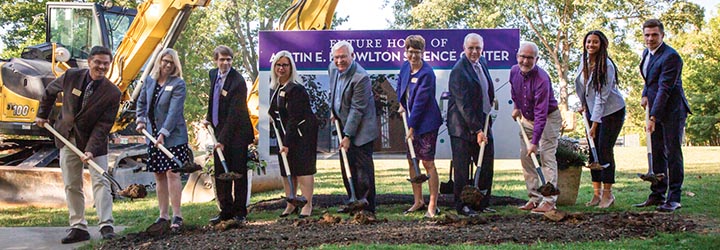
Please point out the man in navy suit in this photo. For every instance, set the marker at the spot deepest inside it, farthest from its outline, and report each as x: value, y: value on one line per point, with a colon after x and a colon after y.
x: 663, y: 94
x: 472, y: 94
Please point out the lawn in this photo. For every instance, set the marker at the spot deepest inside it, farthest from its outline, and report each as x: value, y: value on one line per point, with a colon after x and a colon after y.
x: 702, y: 180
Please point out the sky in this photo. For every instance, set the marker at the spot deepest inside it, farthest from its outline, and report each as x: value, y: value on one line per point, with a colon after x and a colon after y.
x: 360, y: 20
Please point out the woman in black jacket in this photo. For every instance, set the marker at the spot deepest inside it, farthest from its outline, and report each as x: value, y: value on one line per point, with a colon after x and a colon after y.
x: 291, y: 111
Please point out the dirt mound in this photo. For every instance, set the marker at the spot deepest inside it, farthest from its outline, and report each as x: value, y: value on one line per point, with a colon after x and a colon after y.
x: 495, y: 229
x: 324, y: 201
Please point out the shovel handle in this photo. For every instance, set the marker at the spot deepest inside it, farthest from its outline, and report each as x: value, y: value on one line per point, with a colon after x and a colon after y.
x: 481, y: 154
x: 283, y: 155
x: 527, y: 142
x: 648, y: 141
x: 211, y: 131
x: 343, y: 153
x: 590, y: 138
x: 81, y: 154
x: 160, y: 146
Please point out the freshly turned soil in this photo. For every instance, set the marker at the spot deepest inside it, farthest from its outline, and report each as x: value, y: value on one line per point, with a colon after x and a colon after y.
x: 448, y: 228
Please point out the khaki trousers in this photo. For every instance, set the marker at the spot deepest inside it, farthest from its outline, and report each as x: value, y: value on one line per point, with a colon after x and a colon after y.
x: 546, y: 152
x: 72, y: 171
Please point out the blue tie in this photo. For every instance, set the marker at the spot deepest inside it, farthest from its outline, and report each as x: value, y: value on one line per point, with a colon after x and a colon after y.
x: 216, y: 100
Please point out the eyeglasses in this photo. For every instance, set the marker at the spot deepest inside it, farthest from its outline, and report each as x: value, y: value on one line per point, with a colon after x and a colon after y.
x: 282, y: 65
x: 166, y: 61
x: 478, y: 48
x: 526, y: 57
x: 414, y: 52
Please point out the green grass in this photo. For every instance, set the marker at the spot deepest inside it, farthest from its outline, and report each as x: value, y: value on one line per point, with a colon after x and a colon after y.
x: 702, y: 177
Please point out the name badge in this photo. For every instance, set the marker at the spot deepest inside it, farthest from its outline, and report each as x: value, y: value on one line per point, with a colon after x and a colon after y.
x: 282, y: 94
x: 413, y: 80
x: 224, y: 92
x: 168, y: 88
x: 76, y: 92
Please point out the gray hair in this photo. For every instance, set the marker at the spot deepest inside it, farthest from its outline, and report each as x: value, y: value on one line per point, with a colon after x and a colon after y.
x: 341, y: 44
x: 532, y: 45
x: 473, y: 36
x: 274, y: 80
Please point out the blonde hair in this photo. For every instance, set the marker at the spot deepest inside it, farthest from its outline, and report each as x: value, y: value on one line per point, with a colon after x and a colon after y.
x: 155, y: 73
x: 274, y: 80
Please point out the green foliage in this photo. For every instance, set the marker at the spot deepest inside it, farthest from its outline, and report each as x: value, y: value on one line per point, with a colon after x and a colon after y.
x: 570, y: 154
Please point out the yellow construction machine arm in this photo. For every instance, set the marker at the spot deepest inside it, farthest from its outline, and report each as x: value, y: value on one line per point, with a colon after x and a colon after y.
x: 302, y: 15
x: 156, y: 25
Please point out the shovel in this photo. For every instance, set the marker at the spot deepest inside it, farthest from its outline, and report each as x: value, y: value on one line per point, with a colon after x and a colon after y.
x: 596, y: 164
x: 650, y: 176
x: 547, y: 188
x: 227, y: 175
x: 419, y: 177
x: 354, y: 204
x: 295, y: 201
x: 187, y: 167
x: 472, y: 194
x: 139, y: 190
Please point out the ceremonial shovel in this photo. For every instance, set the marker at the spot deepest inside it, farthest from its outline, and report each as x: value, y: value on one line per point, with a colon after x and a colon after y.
x: 187, y: 167
x: 295, y: 201
x: 595, y: 165
x: 419, y: 177
x: 354, y: 203
x: 472, y: 194
x: 650, y: 176
x: 547, y: 188
x: 140, y: 193
x: 227, y: 175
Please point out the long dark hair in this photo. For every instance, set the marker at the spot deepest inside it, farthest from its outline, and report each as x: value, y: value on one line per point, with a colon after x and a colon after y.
x: 600, y: 60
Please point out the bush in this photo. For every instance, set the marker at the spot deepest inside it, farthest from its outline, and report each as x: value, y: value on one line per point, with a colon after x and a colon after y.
x: 570, y: 153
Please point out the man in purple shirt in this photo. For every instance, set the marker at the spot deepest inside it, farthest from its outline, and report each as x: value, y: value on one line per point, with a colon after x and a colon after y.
x: 537, y: 108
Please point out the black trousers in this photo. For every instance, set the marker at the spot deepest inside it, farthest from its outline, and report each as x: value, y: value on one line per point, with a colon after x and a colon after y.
x: 363, y: 173
x: 668, y: 157
x: 463, y: 153
x: 607, y: 134
x: 236, y: 159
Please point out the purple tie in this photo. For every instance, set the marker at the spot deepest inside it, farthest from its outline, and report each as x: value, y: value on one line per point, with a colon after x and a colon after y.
x: 216, y: 100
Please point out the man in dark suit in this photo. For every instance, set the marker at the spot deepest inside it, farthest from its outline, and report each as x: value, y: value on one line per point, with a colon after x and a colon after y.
x: 89, y: 105
x: 472, y: 94
x: 663, y: 94
x: 353, y: 104
x: 228, y: 114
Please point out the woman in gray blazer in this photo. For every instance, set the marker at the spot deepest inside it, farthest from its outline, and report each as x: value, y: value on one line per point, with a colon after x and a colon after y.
x: 160, y: 110
x: 596, y: 86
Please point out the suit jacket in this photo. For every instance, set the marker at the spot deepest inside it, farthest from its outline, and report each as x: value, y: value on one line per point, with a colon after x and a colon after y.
x: 91, y: 124
x: 465, y: 115
x: 603, y: 103
x: 663, y: 84
x: 419, y: 91
x: 292, y: 102
x: 234, y: 127
x: 357, y: 110
x: 169, y: 110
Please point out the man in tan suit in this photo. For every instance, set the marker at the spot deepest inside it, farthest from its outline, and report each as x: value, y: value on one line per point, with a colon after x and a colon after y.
x: 89, y: 105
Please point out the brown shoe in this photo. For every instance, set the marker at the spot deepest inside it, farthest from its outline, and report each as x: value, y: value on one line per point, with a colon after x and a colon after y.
x: 544, y: 207
x: 530, y: 205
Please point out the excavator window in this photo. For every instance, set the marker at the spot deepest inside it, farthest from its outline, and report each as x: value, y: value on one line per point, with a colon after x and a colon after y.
x: 117, y: 25
x: 76, y: 29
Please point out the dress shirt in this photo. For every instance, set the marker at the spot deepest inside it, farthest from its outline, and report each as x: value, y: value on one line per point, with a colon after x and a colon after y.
x: 533, y: 95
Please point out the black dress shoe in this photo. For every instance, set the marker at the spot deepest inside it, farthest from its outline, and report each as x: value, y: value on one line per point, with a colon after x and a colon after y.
x: 649, y: 202
x: 669, y: 207
x: 469, y: 212
x: 343, y: 210
x: 240, y: 219
x: 75, y: 235
x: 488, y: 210
x: 107, y: 232
x: 217, y: 219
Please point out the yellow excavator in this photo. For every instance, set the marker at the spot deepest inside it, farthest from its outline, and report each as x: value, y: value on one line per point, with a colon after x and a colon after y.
x: 134, y: 35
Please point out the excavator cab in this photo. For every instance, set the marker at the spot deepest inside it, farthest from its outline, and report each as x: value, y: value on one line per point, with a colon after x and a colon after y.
x: 75, y: 26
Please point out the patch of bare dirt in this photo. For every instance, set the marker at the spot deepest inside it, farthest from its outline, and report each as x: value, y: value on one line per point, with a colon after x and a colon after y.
x: 330, y: 228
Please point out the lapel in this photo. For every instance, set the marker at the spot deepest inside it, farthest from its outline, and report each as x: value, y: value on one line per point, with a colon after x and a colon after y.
x: 149, y: 89
x: 470, y: 71
x: 346, y: 82
x: 642, y: 62
x: 98, y: 93
x: 653, y: 58
x: 406, y: 84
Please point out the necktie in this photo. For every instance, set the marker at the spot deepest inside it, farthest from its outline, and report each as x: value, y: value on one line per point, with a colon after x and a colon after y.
x: 484, y: 88
x: 216, y: 99
x: 88, y: 91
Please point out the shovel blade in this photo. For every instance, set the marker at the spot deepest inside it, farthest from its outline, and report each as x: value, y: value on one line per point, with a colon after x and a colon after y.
x: 651, y: 177
x: 472, y: 195
x: 296, y: 201
x: 357, y: 205
x: 134, y: 191
x: 229, y: 176
x: 548, y: 189
x: 419, y: 179
x: 187, y: 167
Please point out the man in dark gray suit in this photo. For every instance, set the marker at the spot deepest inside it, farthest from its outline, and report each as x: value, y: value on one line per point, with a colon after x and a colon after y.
x: 353, y: 105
